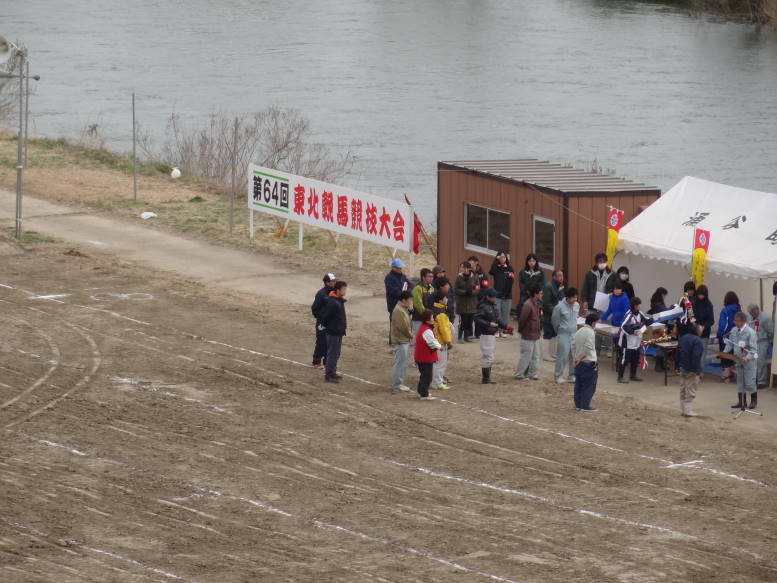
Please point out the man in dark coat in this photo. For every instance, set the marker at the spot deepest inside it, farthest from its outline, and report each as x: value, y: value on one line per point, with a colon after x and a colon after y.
x: 395, y: 282
x: 689, y: 355
x: 319, y: 351
x: 334, y: 321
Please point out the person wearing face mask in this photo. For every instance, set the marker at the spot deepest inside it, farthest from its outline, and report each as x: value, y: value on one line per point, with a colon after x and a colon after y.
x: 622, y: 275
x: 599, y: 279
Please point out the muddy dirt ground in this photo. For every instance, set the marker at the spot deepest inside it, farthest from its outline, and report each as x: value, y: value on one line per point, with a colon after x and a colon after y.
x: 158, y: 430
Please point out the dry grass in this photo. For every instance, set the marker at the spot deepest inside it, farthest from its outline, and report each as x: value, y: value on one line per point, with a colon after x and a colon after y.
x: 101, y: 182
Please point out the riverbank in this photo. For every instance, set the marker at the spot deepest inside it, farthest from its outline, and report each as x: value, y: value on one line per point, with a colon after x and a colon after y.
x: 756, y: 11
x: 100, y: 181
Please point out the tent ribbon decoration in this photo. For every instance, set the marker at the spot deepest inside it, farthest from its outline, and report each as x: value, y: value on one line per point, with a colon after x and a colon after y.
x: 614, y: 223
x: 701, y: 244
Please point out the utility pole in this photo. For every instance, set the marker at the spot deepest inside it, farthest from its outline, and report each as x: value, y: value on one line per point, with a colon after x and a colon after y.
x: 134, y: 158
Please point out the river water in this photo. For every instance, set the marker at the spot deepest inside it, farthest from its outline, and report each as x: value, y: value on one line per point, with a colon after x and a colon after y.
x: 651, y: 93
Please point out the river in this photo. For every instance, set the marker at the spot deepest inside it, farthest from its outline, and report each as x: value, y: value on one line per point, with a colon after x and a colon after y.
x: 649, y: 92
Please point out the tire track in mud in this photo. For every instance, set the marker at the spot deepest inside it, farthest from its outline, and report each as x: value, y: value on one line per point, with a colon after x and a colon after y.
x: 55, y: 360
x: 331, y: 397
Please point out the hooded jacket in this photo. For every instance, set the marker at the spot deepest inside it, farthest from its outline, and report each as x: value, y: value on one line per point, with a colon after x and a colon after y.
x: 726, y: 320
x: 503, y: 277
x: 442, y: 324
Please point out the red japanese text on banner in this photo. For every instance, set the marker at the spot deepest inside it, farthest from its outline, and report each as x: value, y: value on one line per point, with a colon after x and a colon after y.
x: 329, y: 206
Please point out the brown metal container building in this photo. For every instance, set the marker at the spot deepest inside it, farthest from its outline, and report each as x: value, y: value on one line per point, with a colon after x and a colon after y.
x: 529, y: 206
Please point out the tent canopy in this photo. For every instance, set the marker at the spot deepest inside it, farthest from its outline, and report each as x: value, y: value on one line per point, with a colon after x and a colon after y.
x: 742, y: 225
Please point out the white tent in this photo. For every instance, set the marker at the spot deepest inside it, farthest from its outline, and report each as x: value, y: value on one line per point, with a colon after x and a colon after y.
x: 657, y: 244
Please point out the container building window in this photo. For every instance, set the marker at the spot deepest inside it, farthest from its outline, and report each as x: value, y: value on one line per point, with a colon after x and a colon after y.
x: 487, y: 229
x: 545, y: 241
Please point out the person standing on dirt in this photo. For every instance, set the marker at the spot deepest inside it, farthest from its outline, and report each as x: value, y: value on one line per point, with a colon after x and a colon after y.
x: 319, y: 351
x: 529, y: 328
x: 743, y: 344
x: 503, y: 277
x: 396, y: 282
x: 764, y: 331
x: 689, y: 358
x: 335, y: 324
x: 601, y: 279
x: 400, y: 336
x: 466, y: 300
x: 531, y: 275
x: 488, y: 322
x: 443, y: 332
x: 585, y: 363
x: 425, y: 354
x: 552, y: 294
x: 423, y: 297
x: 564, y: 322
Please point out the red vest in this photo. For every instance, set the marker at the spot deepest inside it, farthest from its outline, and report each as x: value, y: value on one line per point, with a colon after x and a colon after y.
x: 422, y: 352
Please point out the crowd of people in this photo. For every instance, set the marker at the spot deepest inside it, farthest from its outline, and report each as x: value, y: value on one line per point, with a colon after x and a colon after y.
x: 555, y: 323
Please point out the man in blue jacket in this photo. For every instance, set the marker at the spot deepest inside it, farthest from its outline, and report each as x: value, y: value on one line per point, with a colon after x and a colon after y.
x: 319, y: 351
x: 395, y: 282
x: 689, y: 357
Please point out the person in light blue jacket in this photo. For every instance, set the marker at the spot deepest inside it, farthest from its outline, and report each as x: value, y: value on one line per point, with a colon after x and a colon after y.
x: 743, y: 344
x: 564, y: 322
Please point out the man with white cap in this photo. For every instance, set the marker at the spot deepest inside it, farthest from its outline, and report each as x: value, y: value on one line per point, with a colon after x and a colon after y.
x: 396, y: 282
x: 319, y: 352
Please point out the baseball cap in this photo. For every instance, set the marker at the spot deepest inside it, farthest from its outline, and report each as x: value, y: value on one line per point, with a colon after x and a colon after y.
x: 397, y: 262
x: 329, y: 277
x: 491, y: 292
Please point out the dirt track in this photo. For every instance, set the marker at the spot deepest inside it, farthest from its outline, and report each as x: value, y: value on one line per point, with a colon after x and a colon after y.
x: 155, y: 431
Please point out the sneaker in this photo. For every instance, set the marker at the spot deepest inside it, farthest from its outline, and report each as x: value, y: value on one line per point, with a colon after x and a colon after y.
x: 534, y: 378
x: 689, y: 414
x: 560, y: 381
x: 442, y: 387
x: 589, y: 409
x: 400, y: 389
x: 624, y: 381
x: 635, y: 379
x: 331, y: 380
x: 318, y: 365
x: 428, y: 398
x: 519, y: 377
x: 571, y: 380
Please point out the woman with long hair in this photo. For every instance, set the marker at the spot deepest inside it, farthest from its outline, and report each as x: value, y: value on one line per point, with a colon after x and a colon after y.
x: 530, y: 275
x: 725, y: 325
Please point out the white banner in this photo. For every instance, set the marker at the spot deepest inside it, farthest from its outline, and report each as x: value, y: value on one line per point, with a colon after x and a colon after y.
x: 335, y: 208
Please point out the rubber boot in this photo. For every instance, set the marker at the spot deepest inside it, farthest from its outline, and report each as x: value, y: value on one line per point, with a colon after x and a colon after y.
x: 739, y: 404
x: 660, y: 364
x: 753, y: 400
x: 487, y: 376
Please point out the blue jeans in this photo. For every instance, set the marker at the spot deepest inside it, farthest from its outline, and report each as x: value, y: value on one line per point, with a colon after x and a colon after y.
x: 586, y: 375
x: 401, y: 352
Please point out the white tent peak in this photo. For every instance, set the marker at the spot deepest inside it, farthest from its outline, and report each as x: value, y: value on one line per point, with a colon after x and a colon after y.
x: 742, y: 225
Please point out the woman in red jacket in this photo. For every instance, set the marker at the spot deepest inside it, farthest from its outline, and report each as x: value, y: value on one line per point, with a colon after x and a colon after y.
x: 425, y: 354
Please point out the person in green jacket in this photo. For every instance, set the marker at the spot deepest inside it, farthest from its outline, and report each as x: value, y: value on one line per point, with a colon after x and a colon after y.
x: 552, y: 294
x: 423, y: 295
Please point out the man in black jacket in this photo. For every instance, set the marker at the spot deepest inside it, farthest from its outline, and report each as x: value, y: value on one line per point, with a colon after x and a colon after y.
x: 319, y: 351
x: 490, y: 321
x: 334, y: 322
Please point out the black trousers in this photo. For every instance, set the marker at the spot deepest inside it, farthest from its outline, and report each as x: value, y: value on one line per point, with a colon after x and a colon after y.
x: 426, y: 369
x: 465, y: 325
x: 333, y: 345
x: 319, y: 352
x: 631, y: 358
